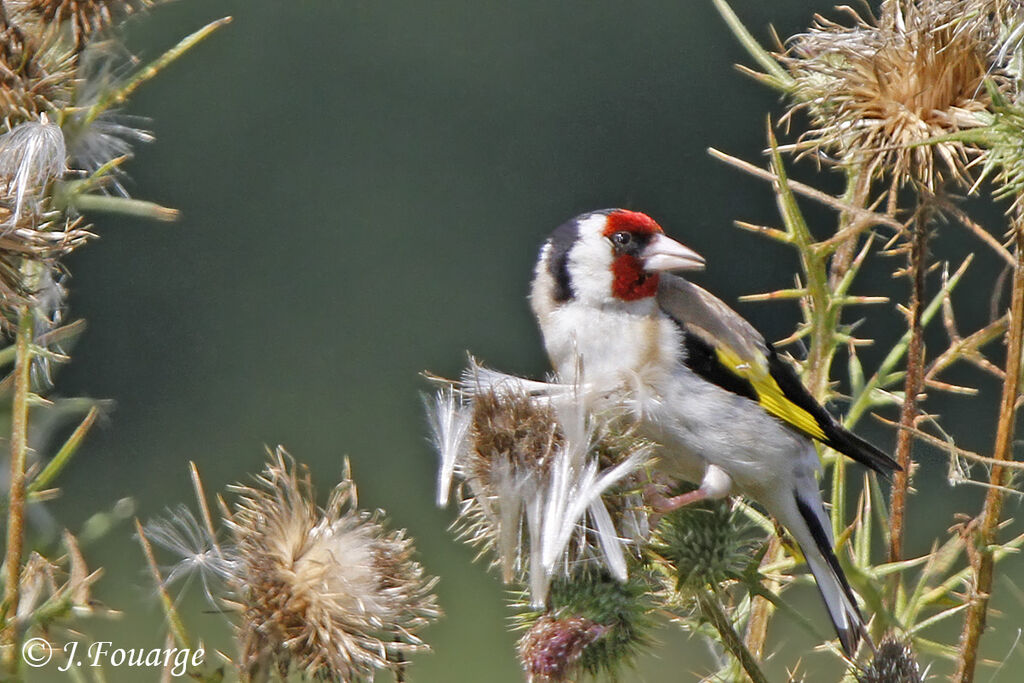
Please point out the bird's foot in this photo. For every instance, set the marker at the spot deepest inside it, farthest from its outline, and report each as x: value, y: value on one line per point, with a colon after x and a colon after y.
x: 662, y: 503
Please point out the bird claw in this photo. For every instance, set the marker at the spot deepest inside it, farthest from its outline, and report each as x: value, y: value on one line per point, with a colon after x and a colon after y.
x: 662, y: 504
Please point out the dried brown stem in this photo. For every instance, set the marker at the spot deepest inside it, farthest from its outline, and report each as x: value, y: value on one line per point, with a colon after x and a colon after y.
x: 917, y: 268
x: 16, y: 496
x: 761, y: 609
x: 869, y: 217
x: 983, y: 559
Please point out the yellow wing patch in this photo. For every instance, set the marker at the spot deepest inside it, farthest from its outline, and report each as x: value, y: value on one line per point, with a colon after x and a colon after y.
x: 769, y: 394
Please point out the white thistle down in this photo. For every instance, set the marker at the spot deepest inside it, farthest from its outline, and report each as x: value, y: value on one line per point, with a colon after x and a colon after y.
x: 529, y: 457
x: 31, y: 155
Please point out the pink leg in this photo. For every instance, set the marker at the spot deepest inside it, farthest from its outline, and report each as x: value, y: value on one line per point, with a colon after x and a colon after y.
x: 716, y: 484
x: 662, y: 504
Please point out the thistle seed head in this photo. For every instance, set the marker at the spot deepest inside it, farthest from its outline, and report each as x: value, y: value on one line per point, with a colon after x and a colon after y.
x: 86, y: 17
x: 37, y: 71
x: 510, y: 429
x: 876, y: 90
x: 328, y: 592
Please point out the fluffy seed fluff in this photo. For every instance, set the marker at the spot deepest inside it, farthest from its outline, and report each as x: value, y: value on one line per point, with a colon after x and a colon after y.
x: 878, y: 89
x: 329, y: 592
x: 542, y: 482
x: 32, y: 154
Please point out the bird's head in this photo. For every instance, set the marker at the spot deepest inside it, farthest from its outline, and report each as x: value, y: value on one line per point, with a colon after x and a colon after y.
x: 607, y: 256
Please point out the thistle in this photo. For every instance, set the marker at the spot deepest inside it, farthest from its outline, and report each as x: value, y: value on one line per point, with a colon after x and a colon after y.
x: 893, y: 662
x: 330, y: 593
x: 86, y: 17
x: 593, y: 624
x: 703, y: 546
x: 877, y: 90
x: 543, y: 483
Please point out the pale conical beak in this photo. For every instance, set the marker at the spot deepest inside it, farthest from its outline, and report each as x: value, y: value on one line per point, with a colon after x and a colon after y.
x: 663, y: 253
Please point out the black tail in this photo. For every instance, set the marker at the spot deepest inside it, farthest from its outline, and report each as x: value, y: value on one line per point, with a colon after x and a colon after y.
x: 864, y: 452
x: 810, y: 530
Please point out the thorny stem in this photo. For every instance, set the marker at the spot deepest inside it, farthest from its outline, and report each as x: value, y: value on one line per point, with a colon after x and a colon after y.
x: 917, y: 268
x: 983, y: 558
x: 858, y: 189
x: 712, y: 611
x: 16, y: 496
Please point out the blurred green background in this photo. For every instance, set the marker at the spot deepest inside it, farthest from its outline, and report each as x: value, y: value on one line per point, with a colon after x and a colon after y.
x: 364, y: 186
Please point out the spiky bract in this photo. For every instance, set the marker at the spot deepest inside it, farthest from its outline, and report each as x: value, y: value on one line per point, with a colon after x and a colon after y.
x: 593, y: 624
x: 893, y: 662
x: 703, y: 545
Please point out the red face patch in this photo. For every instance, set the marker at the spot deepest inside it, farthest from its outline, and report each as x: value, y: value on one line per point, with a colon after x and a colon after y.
x: 630, y: 281
x: 630, y: 221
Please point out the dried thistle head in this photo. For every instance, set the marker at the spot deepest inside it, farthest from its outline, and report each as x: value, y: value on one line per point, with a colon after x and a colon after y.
x: 877, y: 90
x: 86, y: 17
x: 37, y: 72
x: 894, y: 662
x: 511, y: 431
x: 30, y: 273
x: 543, y: 481
x: 327, y: 592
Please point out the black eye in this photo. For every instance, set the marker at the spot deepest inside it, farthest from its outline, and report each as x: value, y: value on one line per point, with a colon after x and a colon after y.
x: 622, y: 238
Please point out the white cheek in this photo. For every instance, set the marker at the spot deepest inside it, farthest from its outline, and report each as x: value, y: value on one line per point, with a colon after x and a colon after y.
x: 590, y: 262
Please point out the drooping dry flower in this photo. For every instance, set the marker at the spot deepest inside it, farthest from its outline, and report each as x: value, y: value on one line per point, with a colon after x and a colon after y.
x: 543, y: 482
x: 877, y: 90
x: 328, y: 592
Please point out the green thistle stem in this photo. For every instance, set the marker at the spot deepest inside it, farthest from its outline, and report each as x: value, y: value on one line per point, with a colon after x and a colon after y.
x: 16, y: 496
x: 117, y: 97
x: 712, y: 611
x: 983, y: 559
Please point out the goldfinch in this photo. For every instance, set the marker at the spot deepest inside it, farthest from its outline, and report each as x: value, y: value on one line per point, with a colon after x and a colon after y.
x: 727, y: 412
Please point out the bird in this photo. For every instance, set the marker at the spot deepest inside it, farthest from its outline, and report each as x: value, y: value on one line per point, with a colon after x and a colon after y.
x: 728, y: 413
